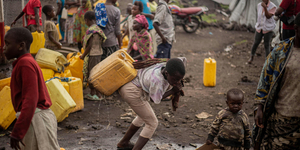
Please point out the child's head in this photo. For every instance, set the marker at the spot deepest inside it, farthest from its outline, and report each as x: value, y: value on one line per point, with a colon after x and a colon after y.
x: 17, y: 42
x: 235, y: 99
x: 137, y: 8
x: 129, y: 8
x: 175, y: 71
x: 90, y: 18
x: 48, y: 10
x: 265, y: 1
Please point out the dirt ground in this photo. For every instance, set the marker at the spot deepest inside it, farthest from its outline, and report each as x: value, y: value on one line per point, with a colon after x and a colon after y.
x: 101, y: 124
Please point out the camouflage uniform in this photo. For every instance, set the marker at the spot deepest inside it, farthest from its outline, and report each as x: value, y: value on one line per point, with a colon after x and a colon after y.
x: 232, y: 130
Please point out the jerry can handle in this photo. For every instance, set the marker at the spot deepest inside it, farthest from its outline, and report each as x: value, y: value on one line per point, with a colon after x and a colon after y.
x: 126, y: 60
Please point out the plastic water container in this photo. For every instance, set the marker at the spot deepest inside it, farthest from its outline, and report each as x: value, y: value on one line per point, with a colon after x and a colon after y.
x: 59, y: 34
x: 7, y: 112
x: 76, y: 66
x: 113, y: 72
x: 62, y: 102
x: 209, y: 72
x: 38, y: 42
x: 47, y: 74
x: 50, y: 59
x: 4, y: 82
x: 66, y: 73
x: 125, y: 42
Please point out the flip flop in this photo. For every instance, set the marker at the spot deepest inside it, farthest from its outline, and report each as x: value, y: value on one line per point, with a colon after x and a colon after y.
x: 89, y: 97
x: 96, y: 98
x: 129, y: 147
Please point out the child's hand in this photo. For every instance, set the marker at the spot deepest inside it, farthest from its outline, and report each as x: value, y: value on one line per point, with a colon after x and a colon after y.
x: 59, y: 46
x: 208, y: 142
x: 81, y: 57
x: 14, y: 143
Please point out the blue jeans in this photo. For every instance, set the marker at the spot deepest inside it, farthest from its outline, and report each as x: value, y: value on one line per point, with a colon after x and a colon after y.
x: 163, y: 50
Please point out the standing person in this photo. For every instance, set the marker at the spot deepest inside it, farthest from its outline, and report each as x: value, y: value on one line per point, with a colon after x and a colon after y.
x: 140, y: 47
x: 51, y: 33
x: 36, y: 125
x: 92, y: 45
x: 290, y: 8
x: 137, y: 8
x: 264, y: 26
x: 150, y: 17
x: 231, y: 125
x: 153, y: 83
x: 33, y: 15
x: 112, y: 29
x: 72, y: 6
x: 164, y: 26
x: 277, y: 97
x: 79, y: 26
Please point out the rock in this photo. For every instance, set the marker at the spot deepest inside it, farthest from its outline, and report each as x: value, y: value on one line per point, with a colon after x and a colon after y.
x: 167, y: 115
x: 164, y: 147
x: 71, y: 127
x: 80, y: 143
x: 175, y: 125
x: 118, y: 124
x: 219, y: 108
x: 194, y: 126
x: 59, y: 128
x: 193, y: 145
x: 187, y: 117
x: 184, y: 121
x: 203, y: 115
x: 125, y: 118
x: 219, y: 104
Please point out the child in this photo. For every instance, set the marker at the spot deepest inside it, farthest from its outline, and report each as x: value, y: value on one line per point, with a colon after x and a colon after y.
x: 51, y: 33
x: 137, y: 8
x: 140, y: 47
x: 92, y: 45
x: 153, y: 83
x: 36, y: 125
x: 231, y: 124
x: 164, y: 26
x: 264, y: 26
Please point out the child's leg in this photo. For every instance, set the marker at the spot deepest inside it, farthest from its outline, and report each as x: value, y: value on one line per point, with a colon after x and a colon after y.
x: 257, y: 40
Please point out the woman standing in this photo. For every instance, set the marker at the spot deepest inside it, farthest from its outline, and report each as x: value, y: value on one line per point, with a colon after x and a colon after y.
x: 140, y: 47
x: 79, y: 26
x: 264, y: 26
x: 277, y: 97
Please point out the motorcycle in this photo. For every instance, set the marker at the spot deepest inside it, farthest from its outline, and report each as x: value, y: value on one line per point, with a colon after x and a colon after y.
x: 188, y: 18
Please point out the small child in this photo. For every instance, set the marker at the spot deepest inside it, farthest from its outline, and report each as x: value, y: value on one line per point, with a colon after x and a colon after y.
x: 92, y: 45
x: 137, y: 8
x: 51, y: 33
x: 36, y: 124
x: 231, y: 124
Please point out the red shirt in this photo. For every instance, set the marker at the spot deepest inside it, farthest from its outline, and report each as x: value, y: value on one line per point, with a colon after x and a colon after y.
x: 28, y: 91
x: 288, y: 5
x: 29, y: 11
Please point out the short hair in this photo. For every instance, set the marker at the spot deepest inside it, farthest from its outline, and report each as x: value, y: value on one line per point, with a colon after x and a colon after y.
x: 175, y: 65
x: 297, y: 20
x: 90, y: 15
x: 140, y: 5
x: 235, y: 92
x: 21, y: 34
x: 46, y: 9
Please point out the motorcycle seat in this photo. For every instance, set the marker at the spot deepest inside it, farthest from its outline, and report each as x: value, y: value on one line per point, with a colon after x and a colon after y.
x: 191, y: 10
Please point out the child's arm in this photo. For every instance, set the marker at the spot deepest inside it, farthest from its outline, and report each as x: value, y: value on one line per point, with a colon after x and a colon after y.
x: 151, y: 16
x: 215, y: 127
x: 51, y: 38
x: 126, y: 33
x: 247, y: 138
x: 18, y: 17
x: 88, y: 48
x: 37, y: 18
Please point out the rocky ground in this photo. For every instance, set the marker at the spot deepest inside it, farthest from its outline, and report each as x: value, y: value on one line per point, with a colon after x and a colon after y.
x: 101, y: 124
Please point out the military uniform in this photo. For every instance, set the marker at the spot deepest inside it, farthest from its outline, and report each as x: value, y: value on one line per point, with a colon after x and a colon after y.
x: 231, y: 129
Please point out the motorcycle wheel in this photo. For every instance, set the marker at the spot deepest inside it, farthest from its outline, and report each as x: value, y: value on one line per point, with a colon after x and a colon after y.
x: 191, y: 27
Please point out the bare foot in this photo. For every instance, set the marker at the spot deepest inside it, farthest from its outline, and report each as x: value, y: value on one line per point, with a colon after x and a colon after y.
x: 250, y: 60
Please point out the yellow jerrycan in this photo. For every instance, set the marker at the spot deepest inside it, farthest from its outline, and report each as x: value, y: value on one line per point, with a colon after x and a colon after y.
x: 59, y: 34
x: 51, y: 59
x: 76, y: 66
x: 7, y: 112
x: 125, y: 42
x: 62, y: 102
x: 47, y: 74
x: 209, y: 72
x: 113, y: 72
x: 4, y: 82
x: 38, y: 42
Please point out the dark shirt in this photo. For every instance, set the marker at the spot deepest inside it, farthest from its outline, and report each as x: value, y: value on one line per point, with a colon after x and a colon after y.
x: 28, y: 92
x: 288, y: 5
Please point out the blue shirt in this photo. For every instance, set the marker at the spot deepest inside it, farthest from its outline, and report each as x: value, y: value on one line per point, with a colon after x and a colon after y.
x: 146, y: 10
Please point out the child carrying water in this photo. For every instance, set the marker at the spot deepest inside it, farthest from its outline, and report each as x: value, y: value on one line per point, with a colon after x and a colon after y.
x: 92, y: 45
x: 231, y: 125
x: 51, y: 33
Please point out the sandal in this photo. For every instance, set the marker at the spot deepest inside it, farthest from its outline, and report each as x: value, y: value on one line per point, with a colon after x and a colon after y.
x: 128, y: 147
